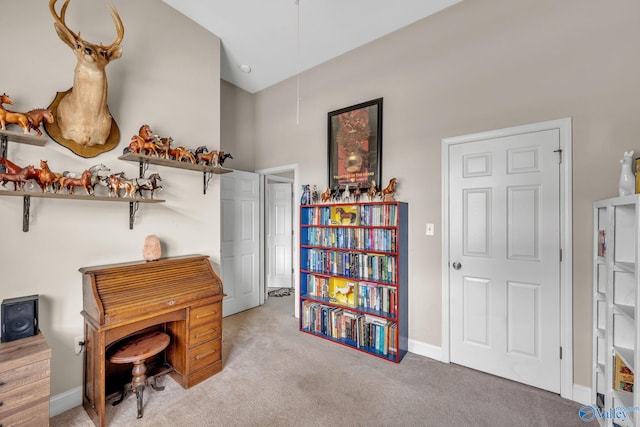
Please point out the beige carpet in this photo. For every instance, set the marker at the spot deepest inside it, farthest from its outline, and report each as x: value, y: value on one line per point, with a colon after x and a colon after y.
x: 274, y: 375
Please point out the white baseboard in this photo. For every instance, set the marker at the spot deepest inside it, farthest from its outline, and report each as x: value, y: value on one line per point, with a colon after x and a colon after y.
x: 424, y: 349
x: 582, y: 394
x: 64, y: 401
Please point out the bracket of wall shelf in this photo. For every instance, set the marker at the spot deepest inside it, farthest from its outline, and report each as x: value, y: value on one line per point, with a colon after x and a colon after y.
x: 26, y: 203
x: 206, y: 177
x: 144, y: 166
x: 4, y: 139
x: 133, y: 208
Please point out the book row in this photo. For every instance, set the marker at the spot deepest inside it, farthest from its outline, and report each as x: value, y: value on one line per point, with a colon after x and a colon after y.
x: 376, y: 239
x: 363, y: 331
x: 358, y: 265
x: 363, y: 215
x: 350, y: 293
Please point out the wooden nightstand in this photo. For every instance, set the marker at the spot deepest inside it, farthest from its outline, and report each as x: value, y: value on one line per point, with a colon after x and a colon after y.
x: 24, y: 382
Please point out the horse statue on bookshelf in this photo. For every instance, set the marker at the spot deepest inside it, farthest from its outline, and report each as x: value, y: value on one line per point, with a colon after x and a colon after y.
x: 387, y: 194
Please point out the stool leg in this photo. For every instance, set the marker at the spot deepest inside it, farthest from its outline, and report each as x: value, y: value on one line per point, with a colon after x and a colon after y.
x: 138, y: 382
x: 139, y: 397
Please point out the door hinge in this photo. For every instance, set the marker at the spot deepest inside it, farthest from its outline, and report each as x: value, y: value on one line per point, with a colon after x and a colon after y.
x: 559, y: 151
x: 560, y: 353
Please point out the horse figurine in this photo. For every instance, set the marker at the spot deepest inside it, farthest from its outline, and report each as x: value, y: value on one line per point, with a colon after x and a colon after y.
x: 95, y: 174
x: 47, y: 179
x: 9, y: 166
x: 222, y: 156
x: 206, y: 157
x: 119, y: 182
x: 346, y: 194
x: 335, y: 194
x: 387, y: 194
x: 357, y: 193
x: 18, y: 179
x: 314, y: 195
x: 36, y: 116
x: 150, y: 184
x: 373, y: 191
x: 11, y: 117
x: 325, y: 196
x: 84, y: 181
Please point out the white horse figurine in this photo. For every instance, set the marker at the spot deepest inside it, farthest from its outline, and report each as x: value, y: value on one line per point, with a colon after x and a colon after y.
x: 627, y: 183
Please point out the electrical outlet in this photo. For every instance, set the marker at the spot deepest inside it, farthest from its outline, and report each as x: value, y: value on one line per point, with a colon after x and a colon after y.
x: 430, y: 230
x: 78, y: 345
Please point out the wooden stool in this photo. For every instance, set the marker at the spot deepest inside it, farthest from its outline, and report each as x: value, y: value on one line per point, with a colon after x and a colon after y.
x: 136, y: 350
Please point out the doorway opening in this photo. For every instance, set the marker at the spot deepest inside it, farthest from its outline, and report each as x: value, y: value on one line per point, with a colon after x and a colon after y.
x: 279, y: 236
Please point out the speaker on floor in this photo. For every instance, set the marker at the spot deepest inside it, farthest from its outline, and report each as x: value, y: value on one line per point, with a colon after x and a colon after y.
x: 19, y: 318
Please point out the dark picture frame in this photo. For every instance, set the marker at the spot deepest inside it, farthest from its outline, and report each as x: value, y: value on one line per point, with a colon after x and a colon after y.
x: 355, y: 145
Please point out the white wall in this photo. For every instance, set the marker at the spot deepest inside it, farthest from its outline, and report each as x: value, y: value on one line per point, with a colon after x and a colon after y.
x: 168, y: 77
x: 475, y: 67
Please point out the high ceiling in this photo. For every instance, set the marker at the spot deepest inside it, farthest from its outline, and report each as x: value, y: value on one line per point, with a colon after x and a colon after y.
x: 279, y: 38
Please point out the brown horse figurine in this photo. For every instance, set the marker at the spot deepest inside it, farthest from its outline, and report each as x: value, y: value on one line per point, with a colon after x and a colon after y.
x: 36, y: 116
x: 46, y: 179
x: 18, y: 179
x: 373, y: 191
x: 11, y: 117
x: 325, y: 196
x: 210, y: 158
x: 9, y: 166
x: 387, y: 194
x: 84, y: 181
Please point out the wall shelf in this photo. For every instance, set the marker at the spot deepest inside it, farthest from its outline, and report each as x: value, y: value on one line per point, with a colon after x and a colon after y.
x: 207, y: 171
x: 27, y: 195
x: 23, y: 138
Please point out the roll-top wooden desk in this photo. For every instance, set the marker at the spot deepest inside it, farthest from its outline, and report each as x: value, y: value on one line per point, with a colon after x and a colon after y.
x: 181, y: 296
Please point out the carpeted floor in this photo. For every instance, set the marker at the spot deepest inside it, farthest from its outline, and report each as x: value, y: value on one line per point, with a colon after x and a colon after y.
x: 274, y: 375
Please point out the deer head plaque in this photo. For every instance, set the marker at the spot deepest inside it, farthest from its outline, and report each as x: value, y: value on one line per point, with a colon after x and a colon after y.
x: 83, y: 121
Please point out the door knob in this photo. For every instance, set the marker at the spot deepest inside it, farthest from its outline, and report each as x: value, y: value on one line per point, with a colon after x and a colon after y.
x: 457, y: 265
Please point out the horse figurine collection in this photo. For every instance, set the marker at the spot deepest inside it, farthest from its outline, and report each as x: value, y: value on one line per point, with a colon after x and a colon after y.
x: 27, y: 121
x: 49, y: 181
x: 149, y: 144
x: 350, y: 194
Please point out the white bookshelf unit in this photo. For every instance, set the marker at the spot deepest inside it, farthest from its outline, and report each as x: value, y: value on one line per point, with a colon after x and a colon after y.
x: 616, y: 356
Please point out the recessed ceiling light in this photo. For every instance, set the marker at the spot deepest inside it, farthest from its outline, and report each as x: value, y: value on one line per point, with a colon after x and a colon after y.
x: 245, y: 68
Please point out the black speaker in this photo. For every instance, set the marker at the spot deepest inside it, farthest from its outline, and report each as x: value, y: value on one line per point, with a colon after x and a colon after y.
x: 19, y: 318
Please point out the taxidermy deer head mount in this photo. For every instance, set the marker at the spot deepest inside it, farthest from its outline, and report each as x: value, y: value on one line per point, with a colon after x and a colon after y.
x: 82, y: 114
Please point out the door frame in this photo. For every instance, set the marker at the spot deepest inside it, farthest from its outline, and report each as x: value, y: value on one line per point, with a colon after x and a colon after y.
x: 566, y: 232
x: 295, y: 261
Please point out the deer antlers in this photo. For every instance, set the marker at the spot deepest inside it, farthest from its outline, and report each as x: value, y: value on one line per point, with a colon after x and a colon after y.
x: 62, y: 26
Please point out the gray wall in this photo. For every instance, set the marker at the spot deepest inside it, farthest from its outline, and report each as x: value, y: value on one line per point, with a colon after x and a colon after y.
x: 475, y: 67
x: 160, y: 80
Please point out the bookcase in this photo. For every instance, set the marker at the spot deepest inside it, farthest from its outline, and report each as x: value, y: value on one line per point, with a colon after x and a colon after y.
x: 353, y: 275
x: 616, y: 356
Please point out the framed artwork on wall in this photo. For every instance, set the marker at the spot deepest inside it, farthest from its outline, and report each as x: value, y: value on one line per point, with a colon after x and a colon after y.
x: 355, y: 145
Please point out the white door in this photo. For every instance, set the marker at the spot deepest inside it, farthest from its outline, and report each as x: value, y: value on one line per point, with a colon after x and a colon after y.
x: 504, y: 256
x: 279, y: 236
x: 240, y: 241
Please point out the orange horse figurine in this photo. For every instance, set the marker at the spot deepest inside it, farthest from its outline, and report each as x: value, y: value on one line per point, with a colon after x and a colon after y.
x: 84, y: 181
x: 9, y: 166
x: 325, y: 196
x: 387, y: 194
x: 46, y: 178
x: 11, y: 117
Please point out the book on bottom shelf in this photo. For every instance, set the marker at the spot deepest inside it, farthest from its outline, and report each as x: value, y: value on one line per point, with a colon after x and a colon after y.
x: 623, y: 376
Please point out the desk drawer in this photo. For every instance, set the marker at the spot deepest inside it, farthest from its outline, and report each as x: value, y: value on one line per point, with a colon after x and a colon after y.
x: 205, y: 354
x: 205, y: 332
x: 23, y: 375
x: 204, y: 314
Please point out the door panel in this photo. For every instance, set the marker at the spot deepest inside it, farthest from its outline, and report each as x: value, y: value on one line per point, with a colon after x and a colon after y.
x: 240, y: 243
x: 504, y: 221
